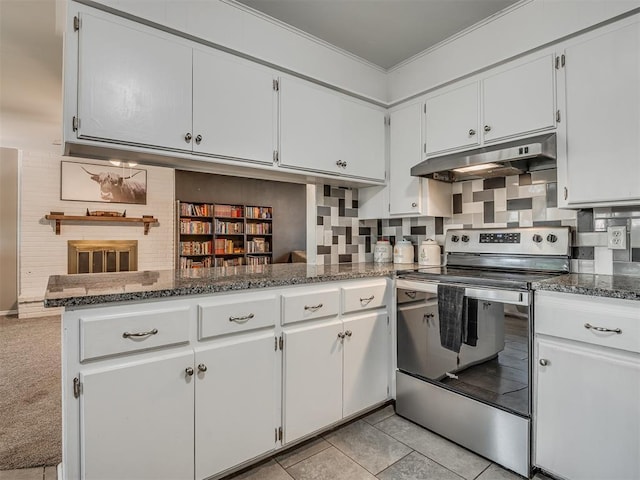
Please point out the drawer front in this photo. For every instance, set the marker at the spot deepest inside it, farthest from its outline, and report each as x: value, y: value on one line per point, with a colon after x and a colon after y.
x: 583, y: 318
x: 105, y: 335
x: 307, y: 305
x: 364, y: 296
x: 237, y: 315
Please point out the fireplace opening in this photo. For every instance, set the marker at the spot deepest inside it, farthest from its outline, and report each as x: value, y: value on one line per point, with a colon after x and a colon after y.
x: 101, y: 256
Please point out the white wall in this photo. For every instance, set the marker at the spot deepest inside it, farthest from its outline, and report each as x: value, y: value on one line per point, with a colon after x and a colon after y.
x: 526, y: 27
x: 43, y: 253
x: 242, y: 29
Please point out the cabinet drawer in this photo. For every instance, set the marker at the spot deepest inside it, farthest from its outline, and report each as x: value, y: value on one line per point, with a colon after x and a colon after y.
x: 575, y: 316
x: 122, y: 333
x: 310, y: 304
x: 364, y: 296
x: 239, y: 314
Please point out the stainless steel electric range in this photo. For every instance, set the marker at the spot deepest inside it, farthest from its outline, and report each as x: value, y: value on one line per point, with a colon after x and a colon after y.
x: 464, y: 338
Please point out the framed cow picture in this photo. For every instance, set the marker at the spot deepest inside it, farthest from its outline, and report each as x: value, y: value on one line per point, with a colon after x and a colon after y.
x: 89, y: 182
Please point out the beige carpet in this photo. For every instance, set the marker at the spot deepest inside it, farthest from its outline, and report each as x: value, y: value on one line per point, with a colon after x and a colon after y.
x: 30, y: 405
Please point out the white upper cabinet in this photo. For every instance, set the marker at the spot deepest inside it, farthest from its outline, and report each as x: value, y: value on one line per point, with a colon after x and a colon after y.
x: 134, y: 86
x: 234, y: 107
x: 452, y: 119
x: 363, y: 139
x: 599, y: 154
x: 309, y: 127
x: 410, y: 195
x: 513, y: 100
x: 519, y: 100
x: 323, y: 131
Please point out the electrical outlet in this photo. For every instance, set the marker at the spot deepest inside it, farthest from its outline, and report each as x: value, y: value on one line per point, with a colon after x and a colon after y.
x: 617, y: 238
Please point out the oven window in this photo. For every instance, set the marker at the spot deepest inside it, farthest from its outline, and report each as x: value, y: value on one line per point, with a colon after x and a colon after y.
x: 494, y: 368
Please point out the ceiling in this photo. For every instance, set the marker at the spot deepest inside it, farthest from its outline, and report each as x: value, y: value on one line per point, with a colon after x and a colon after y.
x: 384, y: 32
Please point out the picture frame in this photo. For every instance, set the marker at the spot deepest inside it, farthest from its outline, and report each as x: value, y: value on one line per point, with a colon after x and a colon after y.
x: 90, y: 182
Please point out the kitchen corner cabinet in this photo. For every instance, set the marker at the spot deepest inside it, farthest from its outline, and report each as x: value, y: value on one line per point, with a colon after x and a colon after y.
x: 409, y: 195
x: 509, y: 101
x: 587, y: 387
x: 599, y: 144
x: 325, y: 131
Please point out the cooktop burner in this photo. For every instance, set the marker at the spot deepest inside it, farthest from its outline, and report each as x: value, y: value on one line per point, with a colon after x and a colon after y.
x: 480, y: 277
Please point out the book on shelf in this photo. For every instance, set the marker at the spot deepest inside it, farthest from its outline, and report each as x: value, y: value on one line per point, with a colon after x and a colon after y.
x: 258, y: 228
x: 195, y: 248
x: 230, y: 211
x: 229, y: 227
x: 258, y: 212
x: 191, y: 263
x: 262, y: 260
x: 257, y: 245
x: 188, y: 226
x: 196, y: 209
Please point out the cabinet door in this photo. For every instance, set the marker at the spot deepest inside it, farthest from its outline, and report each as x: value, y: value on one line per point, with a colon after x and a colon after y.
x: 312, y: 378
x: 136, y: 420
x: 309, y: 127
x: 452, y: 119
x: 134, y: 84
x: 602, y: 82
x: 366, y: 362
x: 362, y: 142
x: 519, y: 100
x: 233, y: 108
x: 588, y: 416
x: 405, y: 152
x: 235, y: 402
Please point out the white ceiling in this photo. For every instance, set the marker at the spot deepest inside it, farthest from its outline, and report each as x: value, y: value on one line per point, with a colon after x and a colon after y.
x: 384, y: 32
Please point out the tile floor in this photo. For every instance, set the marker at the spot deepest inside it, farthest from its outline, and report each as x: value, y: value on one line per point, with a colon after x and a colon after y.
x: 381, y: 446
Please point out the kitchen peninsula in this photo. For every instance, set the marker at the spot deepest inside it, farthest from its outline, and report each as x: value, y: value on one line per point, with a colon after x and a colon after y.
x: 227, y: 364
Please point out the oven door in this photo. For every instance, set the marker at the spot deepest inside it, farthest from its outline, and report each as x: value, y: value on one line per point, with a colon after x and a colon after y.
x: 492, y: 366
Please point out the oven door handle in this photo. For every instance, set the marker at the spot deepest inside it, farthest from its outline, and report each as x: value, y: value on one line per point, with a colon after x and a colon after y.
x: 503, y: 296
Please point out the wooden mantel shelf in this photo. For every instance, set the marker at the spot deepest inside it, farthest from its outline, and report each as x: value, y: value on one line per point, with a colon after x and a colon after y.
x: 59, y: 218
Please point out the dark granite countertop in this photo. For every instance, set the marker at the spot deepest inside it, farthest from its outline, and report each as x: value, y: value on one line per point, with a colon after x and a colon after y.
x: 96, y: 289
x: 612, y: 286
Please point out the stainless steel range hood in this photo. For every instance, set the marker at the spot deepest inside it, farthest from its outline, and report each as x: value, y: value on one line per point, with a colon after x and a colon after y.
x: 510, y: 158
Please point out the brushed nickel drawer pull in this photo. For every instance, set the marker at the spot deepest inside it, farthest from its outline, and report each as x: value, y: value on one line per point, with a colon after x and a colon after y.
x: 139, y: 334
x: 588, y: 326
x: 367, y: 300
x: 313, y: 308
x: 244, y: 319
x: 410, y: 293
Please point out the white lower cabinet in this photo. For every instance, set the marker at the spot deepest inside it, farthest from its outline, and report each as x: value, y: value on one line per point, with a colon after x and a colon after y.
x: 235, y: 401
x: 312, y: 375
x: 587, y: 387
x: 333, y: 369
x: 136, y: 419
x: 215, y: 382
x: 366, y: 362
x: 588, y: 422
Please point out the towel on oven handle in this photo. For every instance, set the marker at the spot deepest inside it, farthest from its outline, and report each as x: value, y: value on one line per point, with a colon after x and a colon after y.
x: 458, y: 318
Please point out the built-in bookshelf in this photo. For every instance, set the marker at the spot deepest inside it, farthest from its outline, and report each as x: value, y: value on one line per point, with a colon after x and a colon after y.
x: 223, y: 235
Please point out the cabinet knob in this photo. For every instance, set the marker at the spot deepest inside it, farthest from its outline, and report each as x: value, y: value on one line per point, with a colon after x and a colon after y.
x: 187, y: 137
x: 189, y: 371
x: 472, y: 132
x: 341, y: 335
x: 202, y: 368
x: 198, y: 139
x: 487, y: 128
x: 544, y: 362
x: 414, y: 205
x: 348, y: 333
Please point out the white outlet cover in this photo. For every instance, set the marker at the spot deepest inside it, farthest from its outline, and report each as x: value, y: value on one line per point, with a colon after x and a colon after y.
x: 617, y: 238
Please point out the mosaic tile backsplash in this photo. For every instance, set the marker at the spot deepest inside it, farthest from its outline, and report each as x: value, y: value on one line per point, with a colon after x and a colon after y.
x: 520, y: 200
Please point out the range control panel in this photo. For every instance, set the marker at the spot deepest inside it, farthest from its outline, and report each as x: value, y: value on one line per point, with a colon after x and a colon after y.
x: 519, y: 241
x: 500, y: 237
